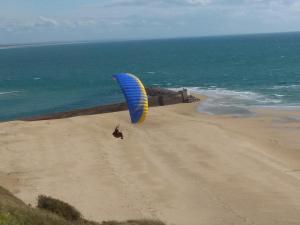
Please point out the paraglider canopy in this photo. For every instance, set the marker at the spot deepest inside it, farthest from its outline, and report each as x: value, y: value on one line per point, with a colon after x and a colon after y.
x: 135, y: 94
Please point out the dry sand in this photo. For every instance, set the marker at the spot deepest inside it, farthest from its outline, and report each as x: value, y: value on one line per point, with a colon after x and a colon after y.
x: 180, y: 166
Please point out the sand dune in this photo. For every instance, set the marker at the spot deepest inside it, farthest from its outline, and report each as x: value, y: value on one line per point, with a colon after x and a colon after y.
x: 180, y: 166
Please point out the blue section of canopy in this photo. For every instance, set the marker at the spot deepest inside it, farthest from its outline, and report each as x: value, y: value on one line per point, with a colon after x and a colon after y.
x: 135, y: 95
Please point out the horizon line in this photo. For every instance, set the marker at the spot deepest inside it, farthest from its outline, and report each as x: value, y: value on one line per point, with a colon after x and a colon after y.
x: 65, y: 42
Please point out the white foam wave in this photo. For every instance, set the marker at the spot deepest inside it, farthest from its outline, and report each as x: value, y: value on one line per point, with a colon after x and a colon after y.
x: 226, y: 96
x: 9, y: 92
x: 222, y: 101
x: 279, y: 87
x: 278, y: 95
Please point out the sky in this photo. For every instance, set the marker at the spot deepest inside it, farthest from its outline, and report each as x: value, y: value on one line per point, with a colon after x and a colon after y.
x: 29, y: 21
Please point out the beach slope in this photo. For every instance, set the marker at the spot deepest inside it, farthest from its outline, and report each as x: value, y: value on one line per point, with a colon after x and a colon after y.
x: 180, y: 166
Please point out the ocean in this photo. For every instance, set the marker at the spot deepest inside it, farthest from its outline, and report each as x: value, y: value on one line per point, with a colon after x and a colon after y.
x: 235, y: 72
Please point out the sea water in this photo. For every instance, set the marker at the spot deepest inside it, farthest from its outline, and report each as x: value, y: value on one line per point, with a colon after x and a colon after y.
x: 235, y: 72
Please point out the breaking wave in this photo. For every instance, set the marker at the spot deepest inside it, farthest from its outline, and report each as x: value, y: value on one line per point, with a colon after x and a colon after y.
x: 221, y: 101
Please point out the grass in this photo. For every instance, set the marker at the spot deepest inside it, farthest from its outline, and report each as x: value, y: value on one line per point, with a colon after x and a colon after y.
x: 49, y: 211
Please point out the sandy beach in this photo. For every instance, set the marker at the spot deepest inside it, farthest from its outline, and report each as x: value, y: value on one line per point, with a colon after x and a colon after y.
x: 181, y: 166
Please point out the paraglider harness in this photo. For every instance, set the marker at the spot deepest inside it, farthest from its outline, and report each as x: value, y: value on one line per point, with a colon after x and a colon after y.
x: 117, y: 133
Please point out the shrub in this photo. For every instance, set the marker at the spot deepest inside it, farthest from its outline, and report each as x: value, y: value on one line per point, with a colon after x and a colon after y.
x: 58, y: 207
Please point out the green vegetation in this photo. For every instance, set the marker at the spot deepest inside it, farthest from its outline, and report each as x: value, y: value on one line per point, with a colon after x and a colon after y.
x: 58, y: 207
x: 49, y: 211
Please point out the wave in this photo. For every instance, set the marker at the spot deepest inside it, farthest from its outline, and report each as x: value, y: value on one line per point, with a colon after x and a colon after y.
x: 279, y: 87
x: 221, y: 101
x: 9, y: 92
x: 225, y: 96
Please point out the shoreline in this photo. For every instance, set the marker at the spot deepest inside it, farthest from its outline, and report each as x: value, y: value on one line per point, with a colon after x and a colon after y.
x: 212, y: 102
x: 156, y: 97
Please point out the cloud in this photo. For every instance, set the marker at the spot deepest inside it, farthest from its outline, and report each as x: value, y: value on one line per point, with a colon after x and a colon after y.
x: 144, y: 3
x: 41, y: 22
x: 44, y: 23
x: 146, y: 19
x: 187, y: 3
